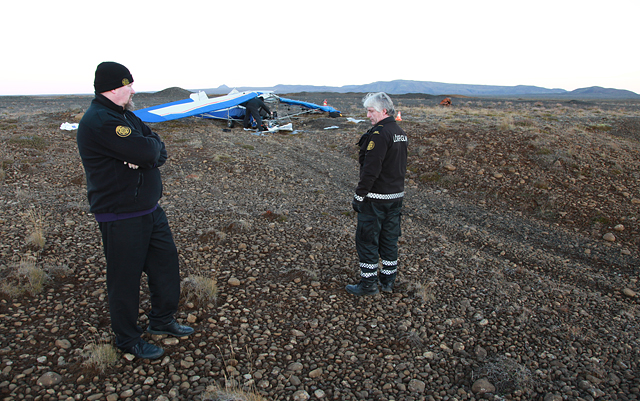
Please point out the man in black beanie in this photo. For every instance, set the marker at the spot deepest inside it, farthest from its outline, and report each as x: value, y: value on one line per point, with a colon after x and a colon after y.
x: 121, y: 156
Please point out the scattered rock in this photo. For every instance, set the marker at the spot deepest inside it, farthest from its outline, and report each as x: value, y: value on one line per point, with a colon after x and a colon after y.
x: 416, y: 386
x: 300, y: 395
x: 509, y: 262
x: 170, y: 341
x: 295, y: 366
x: 482, y: 386
x: 63, y: 343
x: 49, y: 379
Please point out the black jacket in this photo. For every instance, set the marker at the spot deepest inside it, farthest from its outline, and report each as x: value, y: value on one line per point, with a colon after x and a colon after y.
x: 257, y: 104
x: 383, y: 163
x: 108, y: 136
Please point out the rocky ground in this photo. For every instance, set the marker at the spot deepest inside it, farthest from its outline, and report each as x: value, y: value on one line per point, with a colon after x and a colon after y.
x: 519, y: 257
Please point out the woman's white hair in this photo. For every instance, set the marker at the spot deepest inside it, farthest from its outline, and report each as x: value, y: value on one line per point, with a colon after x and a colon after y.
x: 379, y: 101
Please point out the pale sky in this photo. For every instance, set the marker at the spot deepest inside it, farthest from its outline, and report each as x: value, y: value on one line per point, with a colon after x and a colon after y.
x: 53, y: 47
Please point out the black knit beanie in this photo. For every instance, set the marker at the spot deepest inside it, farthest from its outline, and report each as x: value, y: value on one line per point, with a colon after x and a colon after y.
x: 110, y: 75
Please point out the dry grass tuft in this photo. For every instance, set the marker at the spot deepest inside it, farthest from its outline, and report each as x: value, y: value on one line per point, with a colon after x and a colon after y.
x: 58, y: 270
x: 310, y: 273
x: 100, y: 356
x: 25, y: 277
x: 200, y: 290
x: 229, y: 393
x: 33, y: 277
x: 413, y: 339
x: 212, y: 236
x: 36, y: 226
x: 506, y: 123
x: 238, y: 226
x: 10, y: 289
x: 423, y: 291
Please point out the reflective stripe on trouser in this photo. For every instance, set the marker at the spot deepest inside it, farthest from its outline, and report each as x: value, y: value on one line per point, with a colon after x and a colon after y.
x: 377, y: 237
x: 389, y: 267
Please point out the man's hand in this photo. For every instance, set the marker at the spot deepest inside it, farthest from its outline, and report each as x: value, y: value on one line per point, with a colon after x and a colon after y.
x: 357, y: 202
x: 356, y: 205
x: 131, y: 165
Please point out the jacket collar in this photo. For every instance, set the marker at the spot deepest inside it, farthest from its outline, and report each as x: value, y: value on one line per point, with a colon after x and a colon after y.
x: 366, y: 135
x: 100, y: 98
x: 386, y: 120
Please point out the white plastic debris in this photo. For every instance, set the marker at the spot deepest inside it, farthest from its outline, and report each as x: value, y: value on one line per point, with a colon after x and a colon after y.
x: 69, y: 126
x: 286, y: 127
x: 353, y: 120
x: 332, y: 127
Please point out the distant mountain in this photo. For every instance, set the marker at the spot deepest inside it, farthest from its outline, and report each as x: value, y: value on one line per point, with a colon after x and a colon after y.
x: 597, y: 92
x: 399, y: 87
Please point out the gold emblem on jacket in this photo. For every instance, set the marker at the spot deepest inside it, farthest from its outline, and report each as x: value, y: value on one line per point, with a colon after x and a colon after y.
x: 123, y: 131
x: 371, y: 145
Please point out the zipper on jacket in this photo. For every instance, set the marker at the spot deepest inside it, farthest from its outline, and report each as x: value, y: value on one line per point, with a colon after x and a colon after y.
x: 140, y: 181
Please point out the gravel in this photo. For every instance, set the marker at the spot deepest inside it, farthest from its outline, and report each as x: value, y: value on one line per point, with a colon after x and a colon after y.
x: 507, y: 287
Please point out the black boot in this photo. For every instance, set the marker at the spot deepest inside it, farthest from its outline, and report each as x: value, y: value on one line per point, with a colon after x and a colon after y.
x: 366, y: 286
x: 387, y: 280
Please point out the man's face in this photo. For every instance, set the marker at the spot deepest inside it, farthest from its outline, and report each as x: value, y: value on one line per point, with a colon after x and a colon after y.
x: 123, y: 95
x: 376, y: 116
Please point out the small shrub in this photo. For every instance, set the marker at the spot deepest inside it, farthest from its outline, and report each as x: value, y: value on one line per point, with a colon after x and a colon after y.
x: 222, y: 158
x: 506, y: 375
x: 30, y: 141
x: 269, y: 215
x: 526, y: 122
x: 432, y: 176
x: 294, y: 273
x: 212, y: 236
x: 599, y: 127
x: 238, y: 226
x: 600, y: 219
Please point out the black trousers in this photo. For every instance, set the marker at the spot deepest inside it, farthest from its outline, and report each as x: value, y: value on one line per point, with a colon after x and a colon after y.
x: 132, y: 246
x: 255, y: 112
x: 377, y: 237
